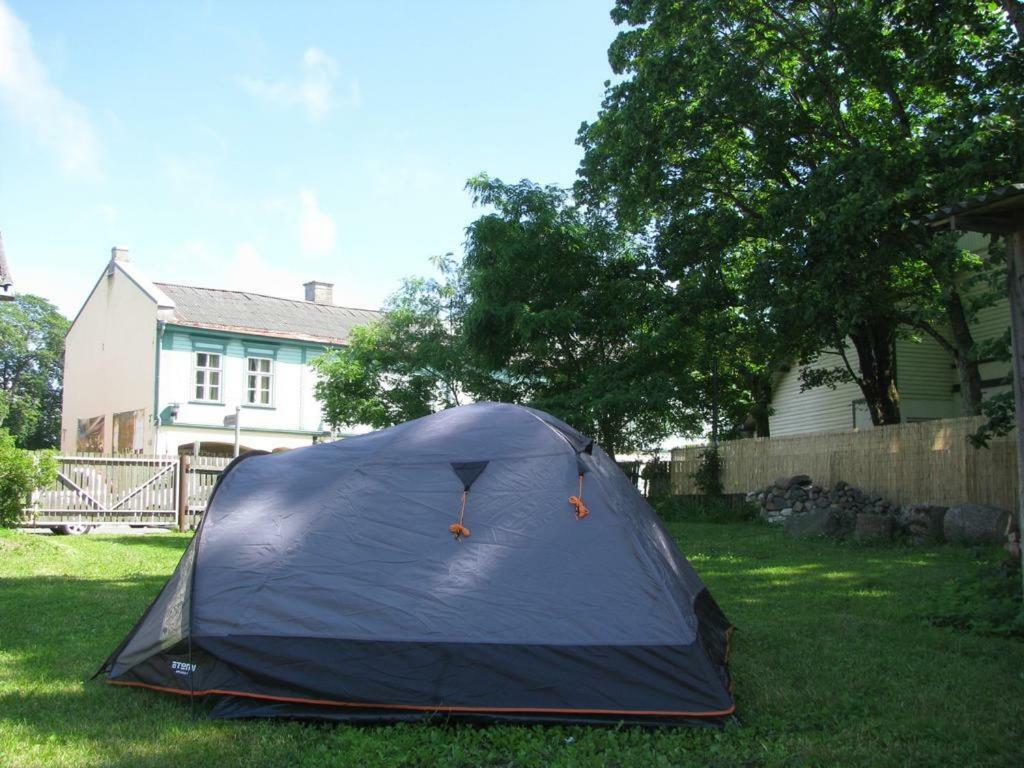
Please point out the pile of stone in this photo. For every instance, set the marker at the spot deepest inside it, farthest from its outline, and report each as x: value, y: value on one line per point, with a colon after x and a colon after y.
x: 807, y: 509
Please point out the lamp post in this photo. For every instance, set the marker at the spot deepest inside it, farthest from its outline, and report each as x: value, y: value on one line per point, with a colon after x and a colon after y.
x: 234, y: 420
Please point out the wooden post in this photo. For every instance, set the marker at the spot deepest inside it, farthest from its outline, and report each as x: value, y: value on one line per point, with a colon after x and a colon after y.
x: 183, y: 492
x: 1015, y: 288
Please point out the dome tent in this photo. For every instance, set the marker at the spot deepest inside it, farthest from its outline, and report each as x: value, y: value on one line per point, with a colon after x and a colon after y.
x: 436, y: 567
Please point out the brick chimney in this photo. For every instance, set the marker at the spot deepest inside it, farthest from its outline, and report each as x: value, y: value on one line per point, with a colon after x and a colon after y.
x: 319, y: 292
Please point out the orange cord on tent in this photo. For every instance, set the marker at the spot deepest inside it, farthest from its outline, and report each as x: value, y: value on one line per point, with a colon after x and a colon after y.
x: 577, y: 501
x: 458, y: 530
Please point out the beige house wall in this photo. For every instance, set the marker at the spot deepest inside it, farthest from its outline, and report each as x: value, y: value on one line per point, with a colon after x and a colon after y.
x: 109, y: 359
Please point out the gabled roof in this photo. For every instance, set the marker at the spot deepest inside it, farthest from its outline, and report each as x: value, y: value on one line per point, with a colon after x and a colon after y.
x: 255, y: 313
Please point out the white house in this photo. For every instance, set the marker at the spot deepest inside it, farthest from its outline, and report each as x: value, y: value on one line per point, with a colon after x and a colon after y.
x: 926, y: 379
x: 155, y: 368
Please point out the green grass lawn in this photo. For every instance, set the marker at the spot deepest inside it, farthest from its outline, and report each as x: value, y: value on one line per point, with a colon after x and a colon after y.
x: 834, y: 663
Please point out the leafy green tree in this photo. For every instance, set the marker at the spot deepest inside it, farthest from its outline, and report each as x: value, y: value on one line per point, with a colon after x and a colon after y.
x: 410, y: 363
x: 31, y: 370
x: 570, y: 312
x: 809, y: 133
x: 21, y: 472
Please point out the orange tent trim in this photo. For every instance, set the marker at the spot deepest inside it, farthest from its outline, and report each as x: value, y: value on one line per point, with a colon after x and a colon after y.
x: 424, y: 708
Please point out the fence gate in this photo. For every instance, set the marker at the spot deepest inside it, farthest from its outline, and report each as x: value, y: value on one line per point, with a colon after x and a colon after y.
x: 142, y: 490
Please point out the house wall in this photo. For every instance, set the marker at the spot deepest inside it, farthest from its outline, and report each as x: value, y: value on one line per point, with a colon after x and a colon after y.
x: 925, y: 376
x: 991, y: 323
x: 816, y: 410
x: 109, y: 359
x: 293, y: 418
x: 173, y: 437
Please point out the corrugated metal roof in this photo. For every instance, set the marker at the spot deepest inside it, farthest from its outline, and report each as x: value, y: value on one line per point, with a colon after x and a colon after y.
x: 994, y: 200
x: 243, y: 312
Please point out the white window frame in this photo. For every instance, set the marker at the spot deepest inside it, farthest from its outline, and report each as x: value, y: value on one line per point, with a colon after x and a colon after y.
x: 200, y: 392
x: 255, y: 391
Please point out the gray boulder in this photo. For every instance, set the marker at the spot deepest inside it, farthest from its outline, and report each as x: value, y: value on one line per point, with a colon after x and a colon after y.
x: 819, y: 522
x: 923, y: 523
x: 975, y: 524
x: 872, y: 528
x: 786, y: 482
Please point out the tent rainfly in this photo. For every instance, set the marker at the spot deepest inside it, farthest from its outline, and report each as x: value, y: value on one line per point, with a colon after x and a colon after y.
x: 487, y: 562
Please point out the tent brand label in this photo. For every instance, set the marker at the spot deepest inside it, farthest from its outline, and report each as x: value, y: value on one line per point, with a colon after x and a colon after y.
x: 183, y: 667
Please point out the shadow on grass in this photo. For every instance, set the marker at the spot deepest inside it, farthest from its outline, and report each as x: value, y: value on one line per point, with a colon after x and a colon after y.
x: 61, y: 629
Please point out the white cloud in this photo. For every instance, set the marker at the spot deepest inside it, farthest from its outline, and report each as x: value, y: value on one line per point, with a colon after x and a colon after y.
x: 316, y: 228
x: 314, y: 91
x: 58, y: 122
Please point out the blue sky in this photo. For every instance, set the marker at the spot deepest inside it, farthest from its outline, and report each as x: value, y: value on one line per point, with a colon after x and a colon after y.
x: 259, y: 145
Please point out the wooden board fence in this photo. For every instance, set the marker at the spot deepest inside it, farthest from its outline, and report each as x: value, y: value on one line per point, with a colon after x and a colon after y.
x: 123, y: 489
x: 929, y: 461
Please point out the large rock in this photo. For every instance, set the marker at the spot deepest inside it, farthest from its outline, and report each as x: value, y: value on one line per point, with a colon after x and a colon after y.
x: 774, y: 503
x: 819, y: 522
x: 872, y: 528
x: 788, y: 481
x: 923, y: 523
x: 975, y: 524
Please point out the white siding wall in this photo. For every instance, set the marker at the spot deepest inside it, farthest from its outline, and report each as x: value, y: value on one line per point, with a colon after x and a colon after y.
x: 924, y: 377
x: 816, y: 410
x: 294, y: 409
x: 109, y: 359
x: 992, y: 323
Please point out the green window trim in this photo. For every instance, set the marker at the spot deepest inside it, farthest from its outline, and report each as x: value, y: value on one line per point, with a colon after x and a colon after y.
x: 207, y: 345
x: 251, y: 351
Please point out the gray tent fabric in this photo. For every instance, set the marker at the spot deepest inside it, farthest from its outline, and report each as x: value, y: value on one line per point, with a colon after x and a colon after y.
x: 324, y: 583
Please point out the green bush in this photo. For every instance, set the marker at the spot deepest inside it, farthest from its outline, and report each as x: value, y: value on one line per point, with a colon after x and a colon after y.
x: 708, y: 476
x: 21, y: 472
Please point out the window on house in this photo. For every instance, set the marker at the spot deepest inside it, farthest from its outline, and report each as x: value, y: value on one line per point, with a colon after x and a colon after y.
x: 259, y: 381
x: 207, y: 376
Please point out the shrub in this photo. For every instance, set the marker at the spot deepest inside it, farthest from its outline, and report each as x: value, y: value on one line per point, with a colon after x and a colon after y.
x: 659, y: 480
x: 21, y: 472
x: 708, y: 477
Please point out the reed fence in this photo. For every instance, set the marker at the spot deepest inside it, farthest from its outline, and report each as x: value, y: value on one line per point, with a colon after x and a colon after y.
x: 929, y: 461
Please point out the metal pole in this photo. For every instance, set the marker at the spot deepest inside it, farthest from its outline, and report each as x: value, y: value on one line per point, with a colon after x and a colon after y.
x: 238, y: 427
x: 183, y: 492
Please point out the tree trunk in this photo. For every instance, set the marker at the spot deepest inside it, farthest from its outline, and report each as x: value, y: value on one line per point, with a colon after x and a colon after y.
x: 875, y: 342
x: 761, y: 392
x: 966, y: 362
